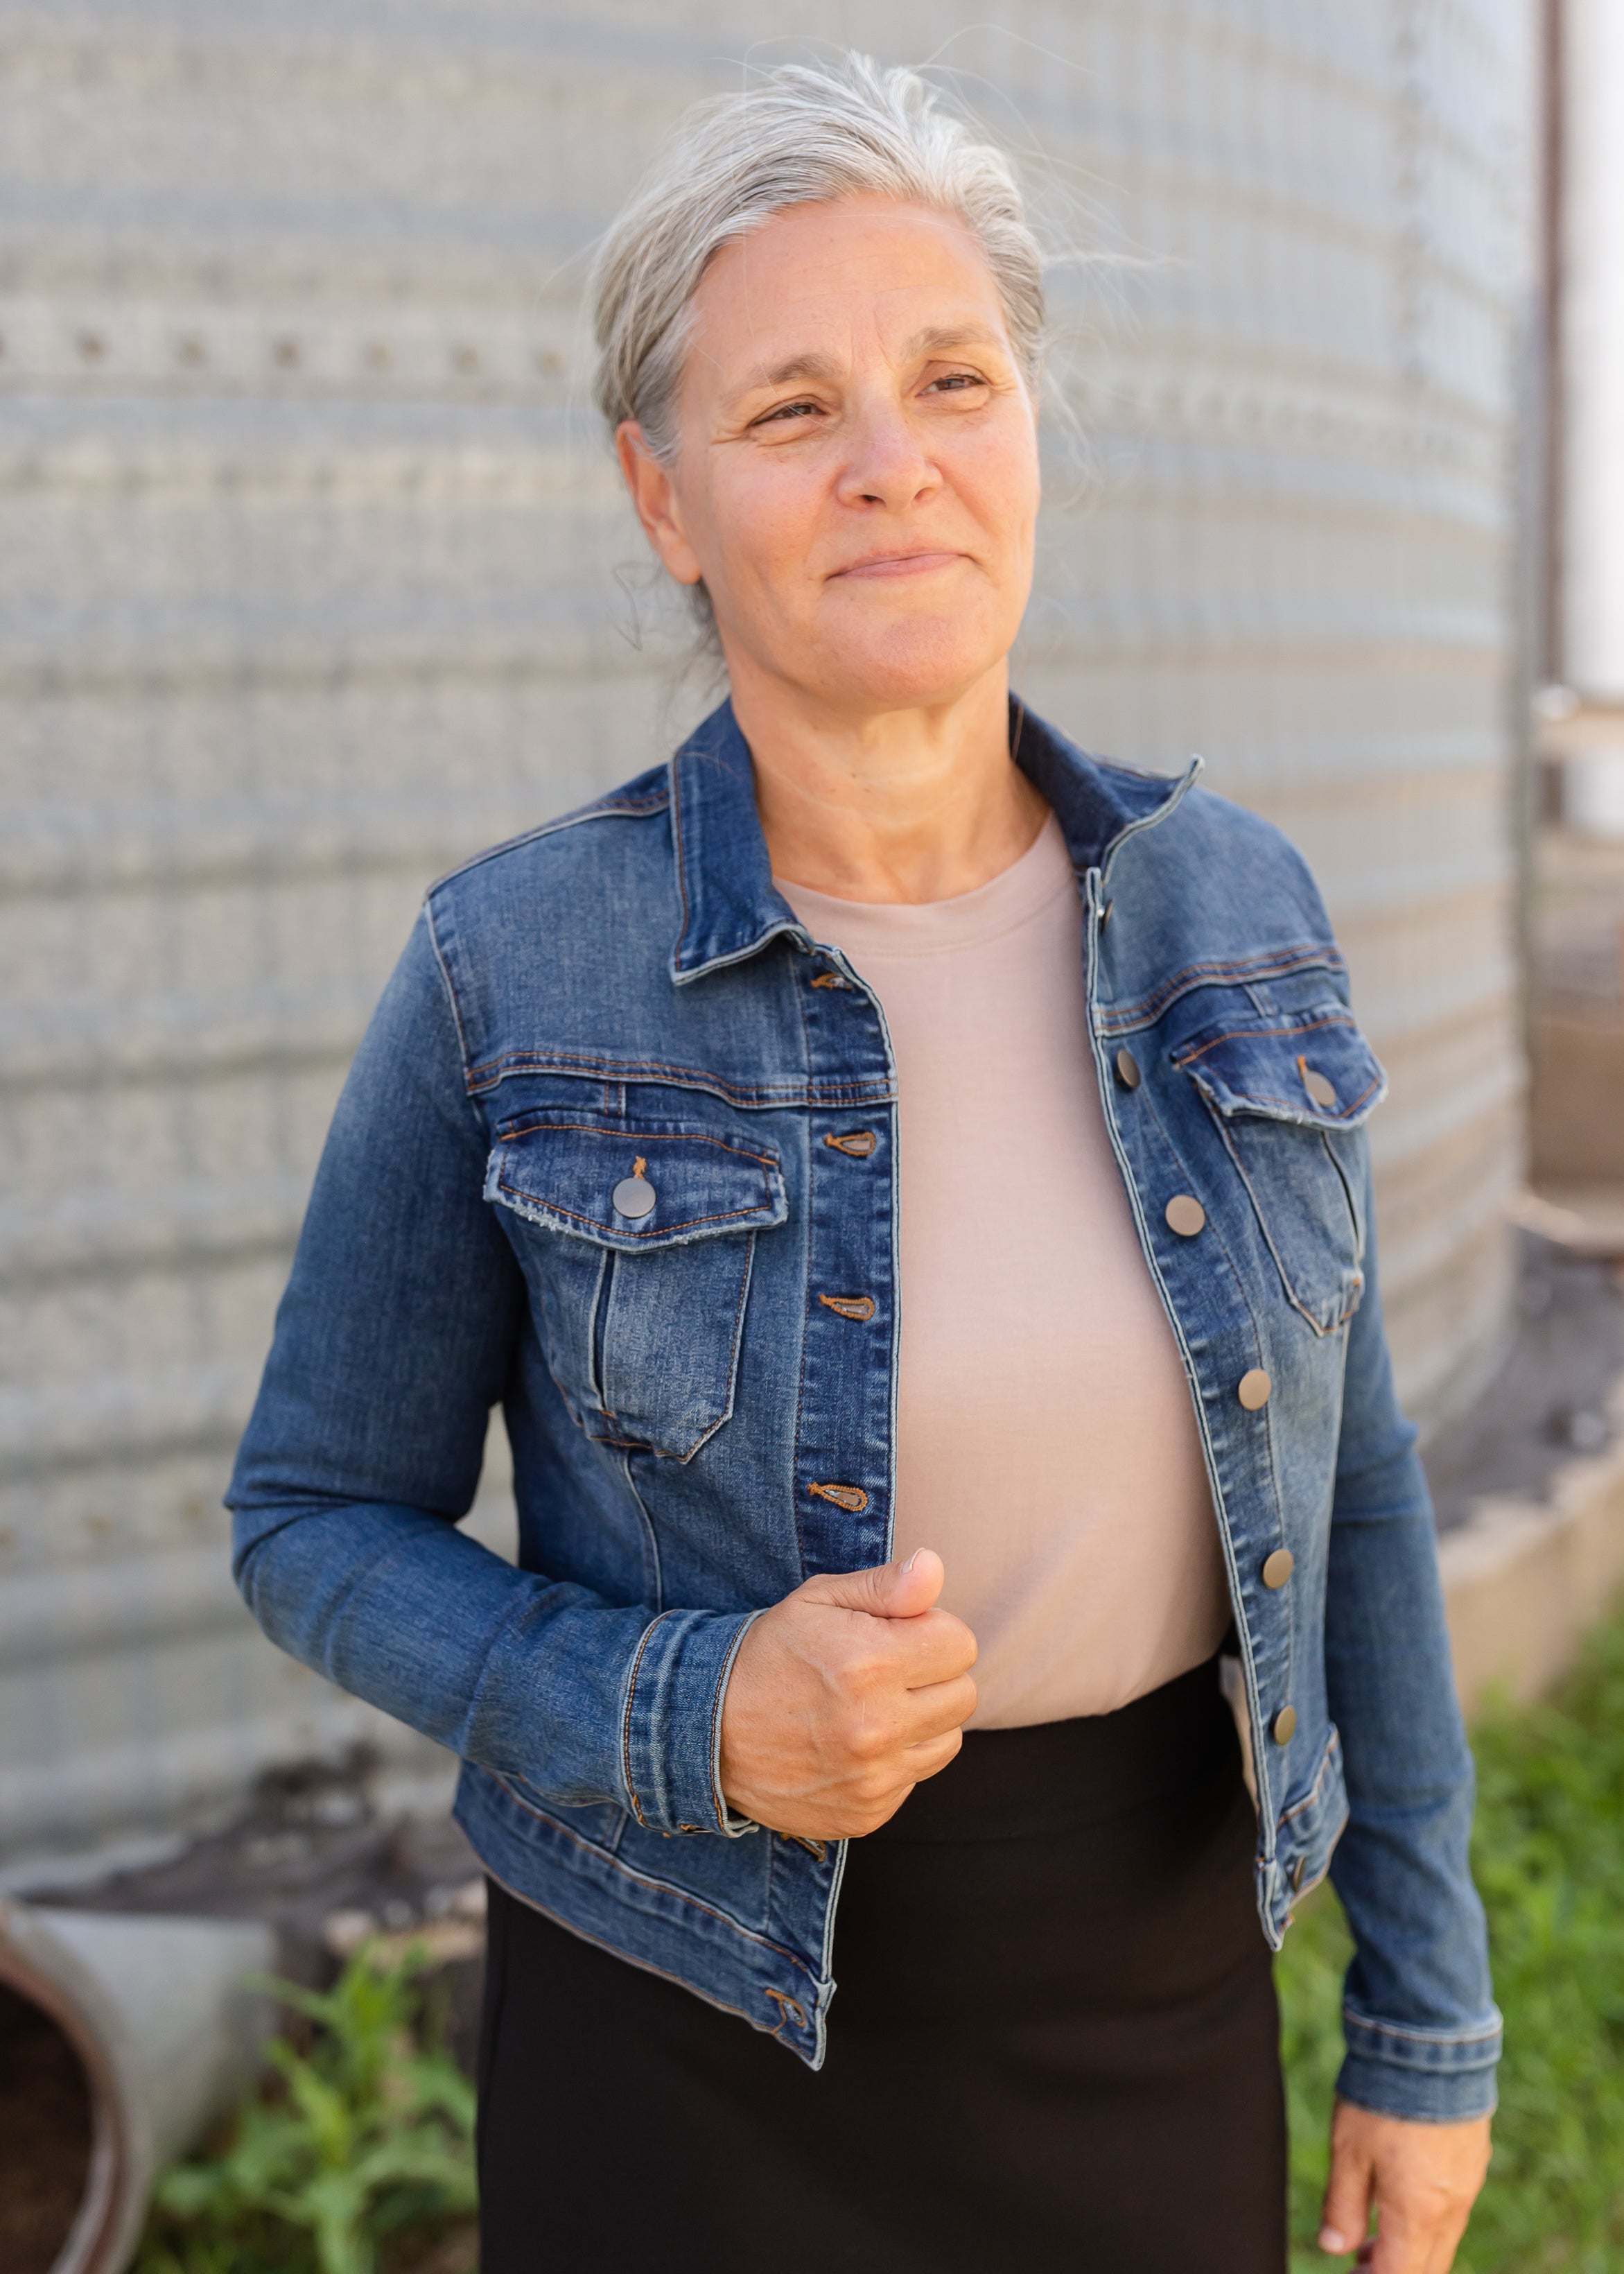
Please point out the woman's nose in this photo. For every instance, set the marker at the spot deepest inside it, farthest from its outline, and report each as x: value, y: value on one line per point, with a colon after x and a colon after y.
x: 886, y: 465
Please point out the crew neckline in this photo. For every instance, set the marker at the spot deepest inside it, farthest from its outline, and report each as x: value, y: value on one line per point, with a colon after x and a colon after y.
x: 1016, y: 896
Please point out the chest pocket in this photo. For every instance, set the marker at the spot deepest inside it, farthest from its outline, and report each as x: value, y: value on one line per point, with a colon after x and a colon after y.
x: 1283, y: 1091
x: 637, y: 1249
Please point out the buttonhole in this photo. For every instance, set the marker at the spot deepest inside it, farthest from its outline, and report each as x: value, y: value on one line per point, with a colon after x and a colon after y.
x: 851, y: 1498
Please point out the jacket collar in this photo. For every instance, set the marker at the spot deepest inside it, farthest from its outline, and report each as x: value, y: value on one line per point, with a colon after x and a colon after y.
x: 730, y: 906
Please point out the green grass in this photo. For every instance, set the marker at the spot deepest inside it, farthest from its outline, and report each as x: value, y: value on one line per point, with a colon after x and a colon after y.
x: 364, y: 2137
x: 1549, y: 1855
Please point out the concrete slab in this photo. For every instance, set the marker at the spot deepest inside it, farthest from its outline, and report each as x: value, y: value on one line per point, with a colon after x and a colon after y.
x: 1525, y: 1579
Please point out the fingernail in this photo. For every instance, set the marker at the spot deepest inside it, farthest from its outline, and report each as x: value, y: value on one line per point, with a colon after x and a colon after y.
x: 1331, y: 2240
x: 911, y: 1561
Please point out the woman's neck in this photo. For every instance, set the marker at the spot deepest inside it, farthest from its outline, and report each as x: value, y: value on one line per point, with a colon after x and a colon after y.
x: 907, y: 805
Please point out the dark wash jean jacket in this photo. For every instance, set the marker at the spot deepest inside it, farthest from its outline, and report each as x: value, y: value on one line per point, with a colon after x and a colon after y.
x: 696, y: 1430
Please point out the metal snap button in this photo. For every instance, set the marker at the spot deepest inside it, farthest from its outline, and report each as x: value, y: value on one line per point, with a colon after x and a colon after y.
x: 1278, y: 1568
x: 1253, y: 1388
x: 1186, y: 1216
x: 634, y: 1195
x: 1128, y: 1070
x: 1282, y: 1728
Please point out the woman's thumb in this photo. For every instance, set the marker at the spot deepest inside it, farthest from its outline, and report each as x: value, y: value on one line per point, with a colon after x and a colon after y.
x: 888, y: 1591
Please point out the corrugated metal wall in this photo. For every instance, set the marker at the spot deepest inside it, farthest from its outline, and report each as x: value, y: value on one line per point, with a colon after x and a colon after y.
x: 315, y: 575
x: 1591, y: 399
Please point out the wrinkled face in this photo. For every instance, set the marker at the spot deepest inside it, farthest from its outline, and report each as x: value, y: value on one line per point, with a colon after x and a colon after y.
x: 856, y: 476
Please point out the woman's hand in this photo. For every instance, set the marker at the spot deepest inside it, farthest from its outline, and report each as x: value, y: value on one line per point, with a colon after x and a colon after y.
x: 1421, y: 2180
x: 843, y: 1696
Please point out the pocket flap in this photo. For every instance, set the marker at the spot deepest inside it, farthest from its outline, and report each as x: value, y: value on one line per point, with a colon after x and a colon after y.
x: 654, y: 1185
x: 1314, y: 1068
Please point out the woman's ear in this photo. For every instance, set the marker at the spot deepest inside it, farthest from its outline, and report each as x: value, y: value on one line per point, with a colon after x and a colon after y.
x: 654, y: 497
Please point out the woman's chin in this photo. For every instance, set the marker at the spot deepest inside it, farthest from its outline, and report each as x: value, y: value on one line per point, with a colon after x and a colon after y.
x: 919, y: 670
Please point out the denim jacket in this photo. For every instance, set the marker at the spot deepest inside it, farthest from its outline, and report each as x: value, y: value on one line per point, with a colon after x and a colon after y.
x: 620, y: 1006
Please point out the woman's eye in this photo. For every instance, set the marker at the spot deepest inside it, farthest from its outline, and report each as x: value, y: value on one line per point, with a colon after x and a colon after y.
x: 956, y: 382
x: 787, y: 411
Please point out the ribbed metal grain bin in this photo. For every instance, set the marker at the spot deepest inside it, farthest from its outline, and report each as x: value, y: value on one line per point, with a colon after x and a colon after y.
x: 315, y: 576
x: 1591, y: 395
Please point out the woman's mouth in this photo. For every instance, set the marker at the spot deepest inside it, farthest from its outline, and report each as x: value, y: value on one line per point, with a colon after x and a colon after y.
x: 912, y: 563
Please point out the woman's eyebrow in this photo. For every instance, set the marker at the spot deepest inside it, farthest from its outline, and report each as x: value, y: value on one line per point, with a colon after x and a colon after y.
x: 935, y: 339
x: 809, y: 366
x: 942, y: 339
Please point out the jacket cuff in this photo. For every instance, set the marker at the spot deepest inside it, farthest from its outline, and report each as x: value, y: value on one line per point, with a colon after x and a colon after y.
x: 1428, y: 2076
x: 671, y: 1726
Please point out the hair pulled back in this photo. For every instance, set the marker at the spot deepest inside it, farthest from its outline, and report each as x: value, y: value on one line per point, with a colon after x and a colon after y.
x: 802, y: 134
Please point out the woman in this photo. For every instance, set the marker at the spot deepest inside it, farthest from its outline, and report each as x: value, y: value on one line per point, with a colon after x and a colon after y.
x: 905, y: 1181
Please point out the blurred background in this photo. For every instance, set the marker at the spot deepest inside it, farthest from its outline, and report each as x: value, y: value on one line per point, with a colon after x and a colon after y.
x: 315, y: 575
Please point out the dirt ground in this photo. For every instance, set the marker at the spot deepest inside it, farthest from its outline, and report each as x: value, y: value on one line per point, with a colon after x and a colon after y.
x: 453, y: 2249
x: 44, y: 2136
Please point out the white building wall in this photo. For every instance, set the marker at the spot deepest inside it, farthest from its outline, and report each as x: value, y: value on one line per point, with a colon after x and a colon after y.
x: 313, y: 576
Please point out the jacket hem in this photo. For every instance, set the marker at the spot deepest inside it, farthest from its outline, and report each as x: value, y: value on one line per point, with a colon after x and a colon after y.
x: 580, y: 1882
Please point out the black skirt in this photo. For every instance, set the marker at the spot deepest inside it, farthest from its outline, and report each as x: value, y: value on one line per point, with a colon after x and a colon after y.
x: 1055, y: 2044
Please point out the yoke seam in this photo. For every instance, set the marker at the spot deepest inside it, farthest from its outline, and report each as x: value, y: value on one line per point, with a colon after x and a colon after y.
x: 573, y: 1064
x: 1189, y: 1054
x: 1278, y: 964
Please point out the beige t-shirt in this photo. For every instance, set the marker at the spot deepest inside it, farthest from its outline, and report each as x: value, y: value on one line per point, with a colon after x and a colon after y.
x: 1046, y: 1445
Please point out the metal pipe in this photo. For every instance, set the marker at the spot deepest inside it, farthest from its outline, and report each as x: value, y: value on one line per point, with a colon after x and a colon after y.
x: 169, y: 2035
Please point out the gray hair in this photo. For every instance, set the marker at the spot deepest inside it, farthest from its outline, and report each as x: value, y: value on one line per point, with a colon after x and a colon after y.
x: 803, y: 134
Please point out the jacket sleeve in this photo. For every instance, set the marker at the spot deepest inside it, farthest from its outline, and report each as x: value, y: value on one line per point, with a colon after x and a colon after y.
x: 1423, y: 2034
x: 393, y: 1342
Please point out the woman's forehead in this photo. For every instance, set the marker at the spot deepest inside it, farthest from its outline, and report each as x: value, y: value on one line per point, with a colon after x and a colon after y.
x: 789, y: 296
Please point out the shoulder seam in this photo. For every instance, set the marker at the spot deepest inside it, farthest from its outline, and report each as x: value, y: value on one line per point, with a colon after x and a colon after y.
x: 1203, y: 794
x: 1132, y: 773
x: 614, y: 807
